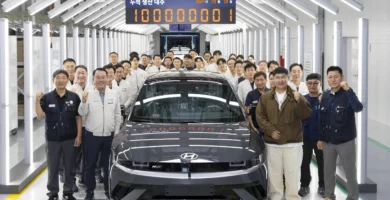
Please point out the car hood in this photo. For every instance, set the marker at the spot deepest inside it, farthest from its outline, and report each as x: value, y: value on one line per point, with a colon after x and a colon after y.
x: 148, y: 142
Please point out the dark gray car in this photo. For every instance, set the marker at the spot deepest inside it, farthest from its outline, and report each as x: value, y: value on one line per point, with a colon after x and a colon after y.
x: 187, y: 138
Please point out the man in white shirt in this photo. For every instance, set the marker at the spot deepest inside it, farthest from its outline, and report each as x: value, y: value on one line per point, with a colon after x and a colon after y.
x: 137, y: 78
x: 272, y: 65
x: 239, y: 69
x: 157, y: 67
x: 79, y: 87
x: 69, y: 65
x: 123, y: 88
x: 222, y: 68
x: 248, y: 84
x: 101, y: 109
x: 213, y: 67
x: 279, y: 115
x: 230, y: 64
x: 127, y: 69
x: 296, y: 71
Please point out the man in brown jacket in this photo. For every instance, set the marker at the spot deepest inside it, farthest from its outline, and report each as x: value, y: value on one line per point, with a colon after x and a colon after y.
x: 279, y: 115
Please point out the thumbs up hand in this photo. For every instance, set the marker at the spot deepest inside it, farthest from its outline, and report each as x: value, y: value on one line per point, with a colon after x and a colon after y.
x: 39, y: 96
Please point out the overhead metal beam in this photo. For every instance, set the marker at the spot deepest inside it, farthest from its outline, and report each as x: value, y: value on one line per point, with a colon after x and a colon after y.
x: 246, y: 7
x: 91, y: 10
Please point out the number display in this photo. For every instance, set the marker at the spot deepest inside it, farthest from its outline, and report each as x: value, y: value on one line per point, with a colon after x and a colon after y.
x: 180, y: 15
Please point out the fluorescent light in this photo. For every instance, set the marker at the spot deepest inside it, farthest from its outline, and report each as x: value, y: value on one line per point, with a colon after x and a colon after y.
x: 266, y: 11
x: 40, y: 5
x: 276, y: 44
x: 11, y: 4
x: 220, y: 139
x: 4, y: 102
x: 242, y: 14
x: 156, y: 139
x: 302, y: 8
x: 215, y: 146
x: 337, y: 34
x: 287, y: 58
x: 267, y: 45
x: 94, y: 49
x: 62, y: 8
x: 249, y: 24
x: 301, y: 38
x: 159, y: 146
x: 76, y: 44
x: 327, y: 6
x: 108, y: 15
x: 207, y: 97
x: 261, y: 43
x: 353, y: 4
x: 252, y: 11
x: 119, y: 17
x: 47, y: 57
x: 28, y: 92
x: 71, y: 13
x: 63, y: 43
x: 90, y: 11
x: 103, y: 11
x: 281, y: 9
x: 234, y: 103
x: 316, y: 48
x: 361, y: 149
x: 162, y: 97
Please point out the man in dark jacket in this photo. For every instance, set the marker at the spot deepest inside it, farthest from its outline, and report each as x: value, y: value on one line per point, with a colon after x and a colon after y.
x: 280, y: 114
x: 63, y: 125
x: 338, y: 132
x: 311, y: 135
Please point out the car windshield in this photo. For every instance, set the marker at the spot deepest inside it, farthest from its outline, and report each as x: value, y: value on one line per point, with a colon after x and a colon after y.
x: 187, y: 101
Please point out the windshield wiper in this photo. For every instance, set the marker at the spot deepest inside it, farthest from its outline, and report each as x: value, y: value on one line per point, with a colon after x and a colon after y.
x: 187, y: 122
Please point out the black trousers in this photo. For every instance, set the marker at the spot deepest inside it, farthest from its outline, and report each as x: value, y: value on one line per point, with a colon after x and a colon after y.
x: 308, y: 147
x: 54, y: 150
x: 93, y: 146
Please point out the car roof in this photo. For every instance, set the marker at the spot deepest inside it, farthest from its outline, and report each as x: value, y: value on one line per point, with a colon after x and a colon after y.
x: 186, y: 74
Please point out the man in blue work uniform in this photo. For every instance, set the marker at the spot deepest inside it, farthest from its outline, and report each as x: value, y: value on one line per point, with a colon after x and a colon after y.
x: 338, y: 132
x: 63, y: 132
x: 101, y: 109
x: 311, y: 136
x: 253, y: 99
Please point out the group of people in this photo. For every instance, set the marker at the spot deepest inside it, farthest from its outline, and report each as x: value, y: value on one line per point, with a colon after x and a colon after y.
x: 294, y: 117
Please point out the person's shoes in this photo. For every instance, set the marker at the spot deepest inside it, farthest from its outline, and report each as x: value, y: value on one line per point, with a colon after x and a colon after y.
x: 90, y: 196
x: 321, y: 191
x: 81, y: 183
x: 333, y: 197
x: 74, y: 187
x: 68, y: 197
x: 99, y: 178
x: 53, y: 197
x: 304, y: 191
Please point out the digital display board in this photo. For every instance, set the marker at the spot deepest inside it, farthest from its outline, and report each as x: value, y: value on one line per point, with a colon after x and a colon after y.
x: 180, y: 11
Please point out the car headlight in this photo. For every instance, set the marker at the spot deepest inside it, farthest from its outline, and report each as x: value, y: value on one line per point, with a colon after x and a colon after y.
x: 133, y: 164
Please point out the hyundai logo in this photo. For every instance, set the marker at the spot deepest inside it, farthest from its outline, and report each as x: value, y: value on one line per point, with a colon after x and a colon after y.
x: 189, y: 156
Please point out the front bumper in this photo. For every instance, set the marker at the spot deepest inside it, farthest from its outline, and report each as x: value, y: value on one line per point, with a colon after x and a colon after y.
x: 124, y: 180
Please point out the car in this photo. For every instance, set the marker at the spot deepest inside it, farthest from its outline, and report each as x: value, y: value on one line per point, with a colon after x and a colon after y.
x: 187, y: 137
